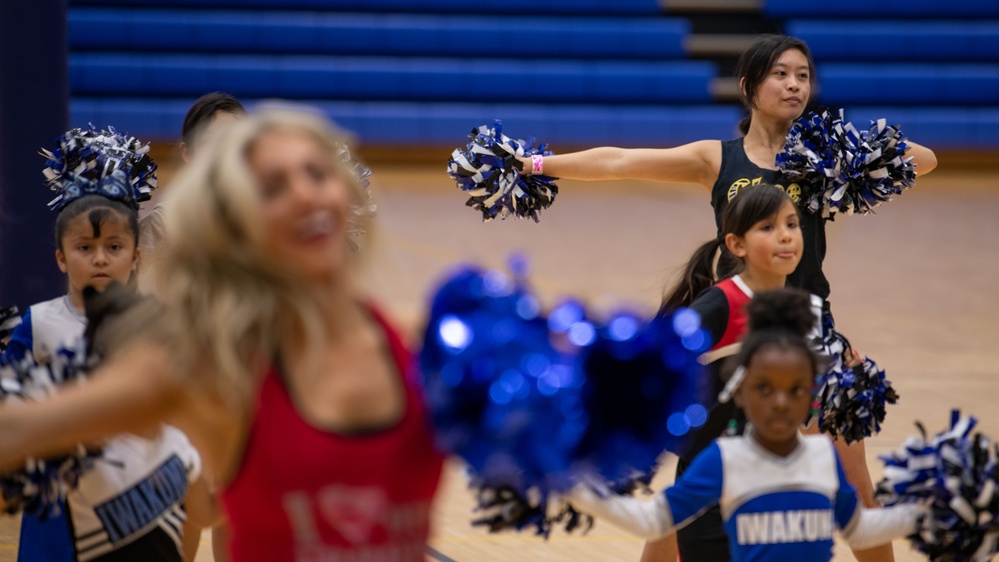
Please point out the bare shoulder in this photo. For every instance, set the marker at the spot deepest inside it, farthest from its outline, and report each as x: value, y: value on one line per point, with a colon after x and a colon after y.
x: 710, y: 152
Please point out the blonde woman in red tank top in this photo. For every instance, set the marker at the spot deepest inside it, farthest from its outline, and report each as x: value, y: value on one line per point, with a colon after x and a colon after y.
x: 292, y: 385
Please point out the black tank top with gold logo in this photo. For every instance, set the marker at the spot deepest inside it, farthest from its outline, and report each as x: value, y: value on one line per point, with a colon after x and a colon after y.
x: 737, y: 172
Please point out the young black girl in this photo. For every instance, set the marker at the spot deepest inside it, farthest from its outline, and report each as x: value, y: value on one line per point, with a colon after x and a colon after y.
x: 781, y: 494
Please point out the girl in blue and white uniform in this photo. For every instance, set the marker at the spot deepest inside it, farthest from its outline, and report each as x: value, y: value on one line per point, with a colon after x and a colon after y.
x: 134, y: 503
x: 781, y: 494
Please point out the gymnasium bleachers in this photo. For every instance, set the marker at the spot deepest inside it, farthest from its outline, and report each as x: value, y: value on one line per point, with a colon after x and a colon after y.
x: 570, y: 72
x: 402, y: 78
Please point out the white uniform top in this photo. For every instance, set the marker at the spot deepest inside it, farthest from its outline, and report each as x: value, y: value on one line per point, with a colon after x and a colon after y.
x: 54, y: 324
x: 135, y: 492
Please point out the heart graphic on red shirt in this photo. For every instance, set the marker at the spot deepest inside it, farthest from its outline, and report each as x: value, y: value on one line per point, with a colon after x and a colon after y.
x: 355, y: 513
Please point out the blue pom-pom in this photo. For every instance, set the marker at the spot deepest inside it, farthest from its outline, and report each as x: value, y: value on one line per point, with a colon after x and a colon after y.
x: 496, y: 388
x: 955, y: 475
x: 843, y: 169
x: 850, y: 401
x: 644, y: 394
x: 82, y: 160
x: 38, y: 487
x: 487, y: 170
x: 535, y: 403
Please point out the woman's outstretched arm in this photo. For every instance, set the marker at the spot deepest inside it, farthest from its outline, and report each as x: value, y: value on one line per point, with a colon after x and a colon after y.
x: 132, y: 392
x: 697, y: 162
x: 924, y: 158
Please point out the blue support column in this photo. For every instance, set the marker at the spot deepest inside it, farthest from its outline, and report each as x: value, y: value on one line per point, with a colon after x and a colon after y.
x: 34, y: 110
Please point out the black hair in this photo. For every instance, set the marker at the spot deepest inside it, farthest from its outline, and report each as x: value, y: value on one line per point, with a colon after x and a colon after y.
x: 204, y: 110
x: 751, y: 205
x: 780, y: 318
x: 98, y: 209
x: 755, y: 63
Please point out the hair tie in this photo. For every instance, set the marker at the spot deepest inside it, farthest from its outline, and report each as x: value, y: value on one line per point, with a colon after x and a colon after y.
x: 732, y: 385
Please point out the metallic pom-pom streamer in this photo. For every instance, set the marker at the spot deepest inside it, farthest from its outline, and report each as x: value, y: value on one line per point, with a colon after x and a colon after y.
x: 39, y: 486
x: 843, y: 169
x: 365, y: 209
x: 850, y: 401
x: 83, y: 159
x: 487, y: 169
x: 10, y: 318
x: 955, y: 474
x: 535, y: 403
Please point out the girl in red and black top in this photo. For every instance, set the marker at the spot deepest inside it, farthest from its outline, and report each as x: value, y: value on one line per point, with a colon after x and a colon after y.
x: 295, y: 389
x: 761, y: 230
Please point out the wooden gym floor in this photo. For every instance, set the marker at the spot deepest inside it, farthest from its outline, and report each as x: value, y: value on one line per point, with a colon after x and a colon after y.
x: 913, y: 287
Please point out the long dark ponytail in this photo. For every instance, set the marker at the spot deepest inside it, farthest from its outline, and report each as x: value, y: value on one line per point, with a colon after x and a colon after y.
x: 748, y: 207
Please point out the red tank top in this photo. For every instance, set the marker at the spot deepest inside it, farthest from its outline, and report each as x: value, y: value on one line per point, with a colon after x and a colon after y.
x: 738, y: 295
x: 306, y: 494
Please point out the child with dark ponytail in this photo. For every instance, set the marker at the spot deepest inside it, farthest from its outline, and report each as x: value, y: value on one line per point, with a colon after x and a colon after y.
x: 761, y: 240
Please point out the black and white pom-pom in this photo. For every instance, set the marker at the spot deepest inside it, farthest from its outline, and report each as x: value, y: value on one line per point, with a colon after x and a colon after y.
x: 505, y: 507
x: 488, y: 170
x: 39, y: 486
x: 365, y: 209
x: 955, y: 475
x: 94, y: 155
x: 843, y: 169
x: 10, y: 318
x: 850, y: 401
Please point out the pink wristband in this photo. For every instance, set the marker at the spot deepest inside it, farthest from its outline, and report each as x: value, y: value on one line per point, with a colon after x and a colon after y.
x: 537, y: 164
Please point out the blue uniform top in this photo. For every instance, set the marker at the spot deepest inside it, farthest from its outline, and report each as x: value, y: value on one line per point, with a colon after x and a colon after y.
x: 774, y: 508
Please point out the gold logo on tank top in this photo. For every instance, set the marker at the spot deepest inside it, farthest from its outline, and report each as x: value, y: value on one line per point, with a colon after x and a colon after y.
x: 793, y: 191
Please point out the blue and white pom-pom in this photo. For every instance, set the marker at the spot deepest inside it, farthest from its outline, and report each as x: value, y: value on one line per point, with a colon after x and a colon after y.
x: 488, y: 170
x: 850, y: 401
x: 843, y: 169
x: 38, y: 488
x: 955, y: 474
x: 10, y: 318
x: 83, y: 158
x: 535, y: 404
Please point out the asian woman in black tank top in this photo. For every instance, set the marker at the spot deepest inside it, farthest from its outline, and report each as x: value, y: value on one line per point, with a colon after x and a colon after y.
x: 776, y: 76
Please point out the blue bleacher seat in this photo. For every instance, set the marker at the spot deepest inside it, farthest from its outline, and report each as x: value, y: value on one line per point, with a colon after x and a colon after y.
x: 939, y: 128
x: 435, y: 124
x: 909, y: 84
x: 881, y: 8
x: 432, y: 124
x: 882, y: 40
x: 570, y: 7
x: 390, y: 78
x: 121, y: 29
